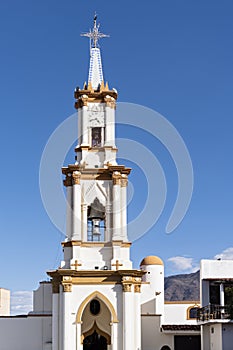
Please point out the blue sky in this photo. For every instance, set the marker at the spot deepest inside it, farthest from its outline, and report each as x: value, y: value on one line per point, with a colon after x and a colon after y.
x: 172, y: 56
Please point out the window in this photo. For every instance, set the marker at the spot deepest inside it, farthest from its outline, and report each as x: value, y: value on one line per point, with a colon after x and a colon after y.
x: 96, y: 137
x: 192, y: 312
x: 94, y: 307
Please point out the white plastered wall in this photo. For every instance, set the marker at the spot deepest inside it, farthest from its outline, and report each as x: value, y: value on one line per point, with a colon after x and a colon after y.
x: 152, y: 337
x: 176, y: 313
x: 42, y: 299
x: 26, y: 333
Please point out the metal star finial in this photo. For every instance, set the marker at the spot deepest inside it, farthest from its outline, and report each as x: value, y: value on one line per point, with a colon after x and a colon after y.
x: 94, y: 34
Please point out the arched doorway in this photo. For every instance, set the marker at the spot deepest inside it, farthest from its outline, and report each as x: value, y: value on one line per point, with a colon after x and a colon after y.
x: 95, y: 320
x: 95, y: 341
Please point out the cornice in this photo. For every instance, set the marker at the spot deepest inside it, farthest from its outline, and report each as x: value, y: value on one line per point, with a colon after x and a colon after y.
x: 95, y: 172
x: 60, y: 273
x: 67, y: 278
x: 96, y: 244
x: 95, y: 149
x: 87, y: 94
x: 90, y: 92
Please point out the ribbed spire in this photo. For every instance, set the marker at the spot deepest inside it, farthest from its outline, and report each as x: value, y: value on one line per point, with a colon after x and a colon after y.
x: 95, y: 70
x: 95, y: 76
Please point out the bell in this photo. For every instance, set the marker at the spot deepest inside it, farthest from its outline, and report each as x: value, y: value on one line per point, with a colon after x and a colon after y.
x: 96, y: 210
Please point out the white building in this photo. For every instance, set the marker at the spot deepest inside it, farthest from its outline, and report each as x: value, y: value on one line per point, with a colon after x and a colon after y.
x: 216, y: 313
x: 96, y: 299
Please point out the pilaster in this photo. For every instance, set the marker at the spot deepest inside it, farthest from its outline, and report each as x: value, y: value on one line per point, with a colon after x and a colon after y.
x: 114, y: 336
x: 124, y: 182
x: 66, y: 316
x: 84, y: 137
x: 79, y: 345
x: 137, y: 313
x: 84, y: 222
x: 110, y: 121
x: 127, y: 313
x: 76, y: 206
x: 116, y: 177
x: 69, y: 203
x: 55, y: 322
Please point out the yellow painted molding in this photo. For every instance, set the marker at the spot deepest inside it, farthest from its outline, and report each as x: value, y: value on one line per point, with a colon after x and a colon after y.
x: 104, y: 299
x: 188, y: 311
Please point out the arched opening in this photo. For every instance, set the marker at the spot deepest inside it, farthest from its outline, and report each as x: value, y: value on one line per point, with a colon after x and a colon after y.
x: 96, y: 316
x: 192, y: 312
x: 96, y: 222
x: 95, y: 341
x: 100, y: 297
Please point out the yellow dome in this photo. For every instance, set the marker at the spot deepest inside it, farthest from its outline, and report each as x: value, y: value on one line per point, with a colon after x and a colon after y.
x: 151, y: 260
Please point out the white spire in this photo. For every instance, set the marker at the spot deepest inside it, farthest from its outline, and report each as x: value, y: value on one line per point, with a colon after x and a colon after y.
x: 95, y: 70
x: 95, y: 76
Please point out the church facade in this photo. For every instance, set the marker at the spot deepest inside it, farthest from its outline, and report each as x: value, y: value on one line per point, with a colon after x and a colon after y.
x: 96, y: 299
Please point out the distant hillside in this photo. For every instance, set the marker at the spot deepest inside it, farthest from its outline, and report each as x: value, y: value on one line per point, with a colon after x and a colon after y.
x: 182, y: 287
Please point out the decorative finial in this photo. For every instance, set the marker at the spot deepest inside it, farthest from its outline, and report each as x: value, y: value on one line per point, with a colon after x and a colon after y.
x: 94, y: 34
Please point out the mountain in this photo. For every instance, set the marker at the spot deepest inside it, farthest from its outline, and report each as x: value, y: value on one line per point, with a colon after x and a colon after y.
x: 182, y: 287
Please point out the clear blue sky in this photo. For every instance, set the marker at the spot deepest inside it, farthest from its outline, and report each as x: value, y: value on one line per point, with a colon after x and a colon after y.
x: 172, y: 56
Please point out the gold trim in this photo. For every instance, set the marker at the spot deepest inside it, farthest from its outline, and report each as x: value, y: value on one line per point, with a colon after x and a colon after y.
x: 116, y: 178
x: 71, y: 243
x: 124, y: 180
x: 76, y: 265
x: 102, y: 85
x: 76, y: 177
x: 117, y: 264
x: 126, y: 287
x: 67, y: 284
x: 188, y: 311
x: 126, y: 244
x: 84, y: 100
x: 104, y: 299
x: 137, y: 288
x: 96, y: 244
x: 127, y: 282
x: 95, y: 149
x: 98, y: 171
x: 88, y: 95
x: 89, y: 86
x: 68, y: 273
x: 67, y: 287
x: 100, y: 177
x: 110, y: 101
x: 90, y: 281
x: 95, y: 94
x: 183, y: 302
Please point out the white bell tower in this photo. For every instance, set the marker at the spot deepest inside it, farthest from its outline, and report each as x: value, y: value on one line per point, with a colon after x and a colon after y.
x: 96, y: 293
x: 96, y: 184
